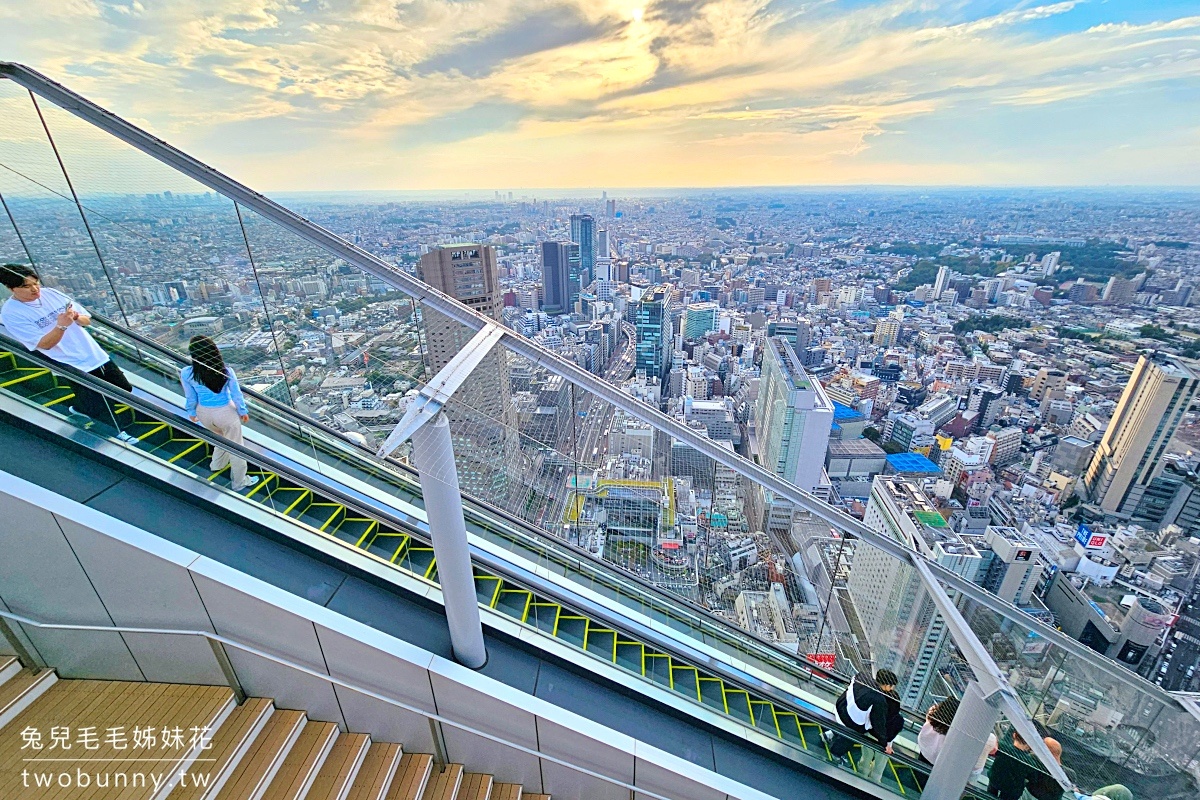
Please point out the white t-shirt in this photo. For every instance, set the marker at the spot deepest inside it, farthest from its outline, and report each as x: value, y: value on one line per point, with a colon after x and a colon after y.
x: 930, y: 742
x: 29, y: 322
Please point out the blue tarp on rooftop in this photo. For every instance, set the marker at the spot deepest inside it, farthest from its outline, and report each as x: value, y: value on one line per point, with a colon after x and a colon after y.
x: 912, y: 462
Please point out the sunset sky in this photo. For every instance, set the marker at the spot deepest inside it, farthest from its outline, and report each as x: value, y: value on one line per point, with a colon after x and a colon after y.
x: 455, y: 94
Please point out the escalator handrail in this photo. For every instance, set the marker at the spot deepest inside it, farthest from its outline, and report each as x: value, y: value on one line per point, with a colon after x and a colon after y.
x: 520, y: 578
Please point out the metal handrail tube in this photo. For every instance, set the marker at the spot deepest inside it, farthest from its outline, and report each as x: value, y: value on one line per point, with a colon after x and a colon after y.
x: 222, y: 184
x: 444, y: 720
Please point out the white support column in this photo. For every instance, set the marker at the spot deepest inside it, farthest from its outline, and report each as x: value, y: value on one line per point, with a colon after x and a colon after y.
x: 433, y: 452
x: 975, y: 719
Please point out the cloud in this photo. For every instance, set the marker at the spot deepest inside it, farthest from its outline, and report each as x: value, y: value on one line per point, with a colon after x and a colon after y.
x: 624, y: 91
x: 546, y: 29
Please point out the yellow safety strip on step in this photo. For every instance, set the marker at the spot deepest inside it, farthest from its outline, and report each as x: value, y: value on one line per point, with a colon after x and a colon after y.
x: 685, y: 668
x: 303, y: 494
x: 183, y: 453
x: 770, y: 710
x: 34, y: 372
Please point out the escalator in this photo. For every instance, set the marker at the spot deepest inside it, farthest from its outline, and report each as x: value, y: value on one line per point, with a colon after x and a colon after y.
x: 328, y: 487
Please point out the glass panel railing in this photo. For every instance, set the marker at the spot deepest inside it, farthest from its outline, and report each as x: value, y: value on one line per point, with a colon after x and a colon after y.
x: 335, y: 454
x: 284, y: 490
x: 1112, y: 730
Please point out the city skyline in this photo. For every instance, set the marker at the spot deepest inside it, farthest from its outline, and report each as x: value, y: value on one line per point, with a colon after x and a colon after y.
x: 373, y: 96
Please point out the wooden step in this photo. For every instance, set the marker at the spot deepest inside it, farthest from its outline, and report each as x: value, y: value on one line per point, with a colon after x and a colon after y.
x: 444, y: 785
x: 411, y: 776
x: 303, y: 762
x: 535, y: 797
x: 377, y: 772
x: 110, y: 711
x: 9, y: 666
x: 337, y: 774
x: 475, y: 786
x: 18, y: 692
x: 253, y: 775
x: 507, y: 791
x: 229, y: 745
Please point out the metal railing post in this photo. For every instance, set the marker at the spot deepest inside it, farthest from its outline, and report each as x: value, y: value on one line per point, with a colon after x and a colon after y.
x: 975, y: 719
x: 433, y: 452
x: 23, y: 655
x: 227, y: 670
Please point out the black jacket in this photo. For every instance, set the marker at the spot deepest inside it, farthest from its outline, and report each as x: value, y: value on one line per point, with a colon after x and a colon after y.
x: 1011, y: 770
x: 883, y: 708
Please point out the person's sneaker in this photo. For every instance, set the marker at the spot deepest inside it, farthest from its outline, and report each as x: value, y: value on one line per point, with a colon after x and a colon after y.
x: 251, y: 481
x: 73, y: 411
x: 125, y: 437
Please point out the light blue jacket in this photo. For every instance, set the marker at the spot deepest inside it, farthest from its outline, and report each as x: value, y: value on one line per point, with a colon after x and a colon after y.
x: 197, y: 393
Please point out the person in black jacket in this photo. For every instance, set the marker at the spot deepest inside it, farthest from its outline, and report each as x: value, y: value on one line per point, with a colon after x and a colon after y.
x: 870, y: 709
x: 1012, y: 769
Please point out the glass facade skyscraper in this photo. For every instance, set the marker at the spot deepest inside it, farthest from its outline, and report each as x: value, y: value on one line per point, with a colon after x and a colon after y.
x: 583, y: 233
x: 654, y: 335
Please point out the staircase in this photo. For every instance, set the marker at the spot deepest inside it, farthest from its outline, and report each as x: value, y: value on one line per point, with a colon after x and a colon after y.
x: 117, y: 740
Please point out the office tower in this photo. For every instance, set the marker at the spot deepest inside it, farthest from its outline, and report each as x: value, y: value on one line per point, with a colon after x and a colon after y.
x: 902, y: 627
x: 1014, y: 567
x: 603, y: 256
x: 1129, y: 456
x: 583, y: 233
x: 481, y: 414
x: 699, y: 319
x: 556, y: 279
x: 610, y: 208
x: 793, y: 419
x: 942, y: 282
x: 652, y: 319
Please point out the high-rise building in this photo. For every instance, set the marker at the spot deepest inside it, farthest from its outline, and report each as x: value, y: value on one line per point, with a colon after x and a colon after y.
x: 1129, y: 456
x: 793, y: 419
x: 652, y: 320
x: 559, y: 291
x: 899, y: 618
x: 699, y: 319
x: 482, y: 419
x: 887, y: 331
x: 942, y: 282
x: 583, y: 233
x: 603, y: 256
x: 1014, y: 566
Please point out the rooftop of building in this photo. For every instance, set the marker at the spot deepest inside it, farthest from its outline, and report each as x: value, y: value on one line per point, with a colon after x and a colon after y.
x: 845, y: 448
x: 1178, y: 368
x: 793, y: 368
x: 844, y: 413
x: 912, y: 463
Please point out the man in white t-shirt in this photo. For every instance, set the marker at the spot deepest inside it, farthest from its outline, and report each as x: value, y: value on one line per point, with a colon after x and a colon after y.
x: 48, y: 321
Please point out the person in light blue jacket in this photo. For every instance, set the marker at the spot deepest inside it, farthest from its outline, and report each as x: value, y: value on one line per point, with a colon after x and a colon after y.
x: 214, y: 399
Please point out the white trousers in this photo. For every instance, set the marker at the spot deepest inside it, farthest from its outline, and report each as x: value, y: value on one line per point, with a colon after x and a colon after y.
x: 225, y: 422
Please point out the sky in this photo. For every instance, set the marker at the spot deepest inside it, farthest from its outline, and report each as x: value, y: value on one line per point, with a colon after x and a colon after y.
x: 320, y: 95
